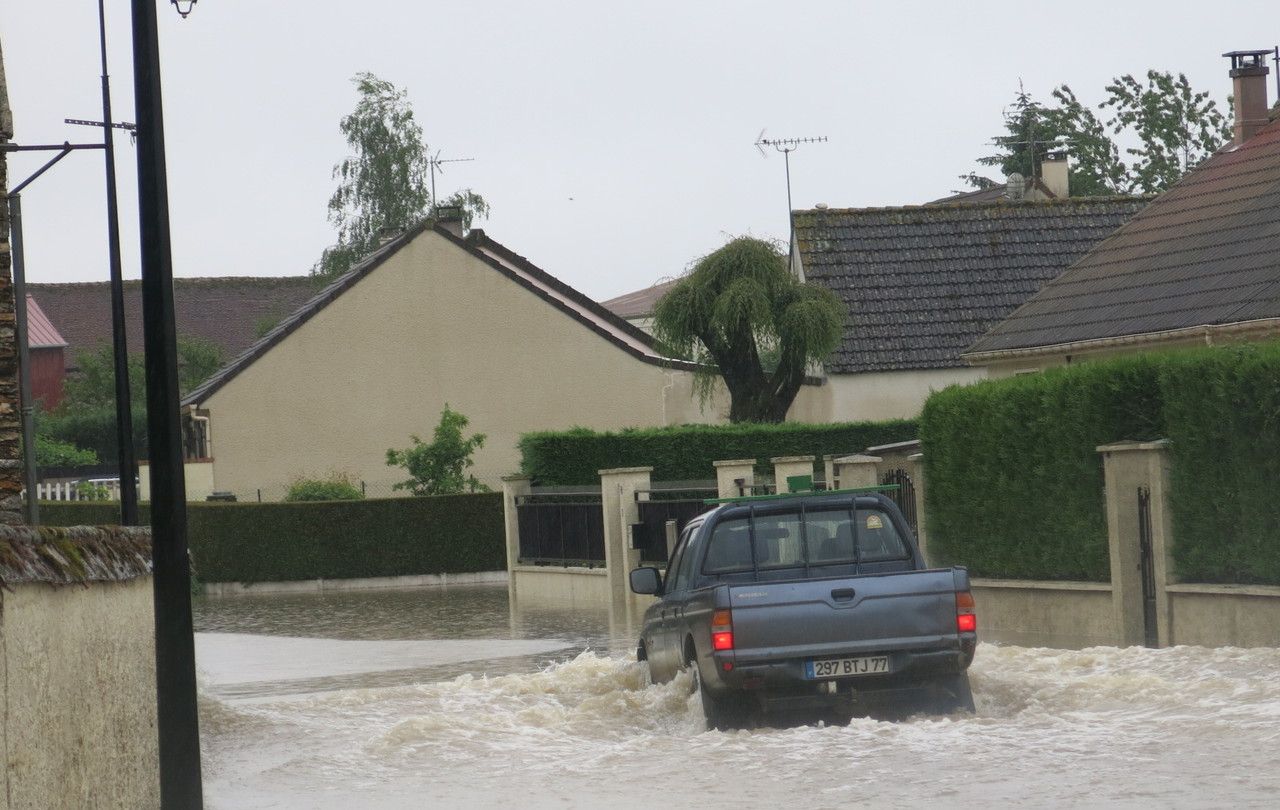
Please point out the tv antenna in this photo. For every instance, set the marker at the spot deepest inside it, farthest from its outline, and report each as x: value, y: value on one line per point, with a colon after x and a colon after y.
x: 786, y: 146
x: 435, y: 161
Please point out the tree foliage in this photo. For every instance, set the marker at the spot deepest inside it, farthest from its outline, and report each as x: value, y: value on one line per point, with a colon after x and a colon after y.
x: 337, y: 487
x: 439, y: 467
x: 384, y: 185
x: 1143, y: 137
x: 742, y: 309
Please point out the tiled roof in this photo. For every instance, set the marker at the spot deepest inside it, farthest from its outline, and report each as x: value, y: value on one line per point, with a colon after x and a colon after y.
x: 640, y: 303
x: 226, y: 310
x: 41, y: 333
x: 517, y: 268
x: 1204, y: 253
x: 922, y: 282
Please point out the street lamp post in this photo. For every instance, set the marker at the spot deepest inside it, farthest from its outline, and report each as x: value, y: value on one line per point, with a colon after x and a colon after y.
x: 177, y: 716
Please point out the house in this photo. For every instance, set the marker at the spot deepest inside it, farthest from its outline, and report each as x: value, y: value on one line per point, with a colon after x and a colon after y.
x: 1199, y: 265
x: 922, y: 282
x: 637, y: 307
x: 46, y: 349
x: 231, y: 312
x: 432, y: 318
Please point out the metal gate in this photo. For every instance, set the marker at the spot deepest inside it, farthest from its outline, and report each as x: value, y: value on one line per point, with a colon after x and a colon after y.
x: 678, y: 501
x: 904, y: 496
x: 1148, y: 568
x: 564, y: 530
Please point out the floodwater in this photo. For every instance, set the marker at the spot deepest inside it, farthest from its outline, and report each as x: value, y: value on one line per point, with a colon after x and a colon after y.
x: 446, y: 698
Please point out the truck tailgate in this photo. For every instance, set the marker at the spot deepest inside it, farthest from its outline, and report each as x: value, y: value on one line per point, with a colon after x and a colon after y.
x: 901, y: 611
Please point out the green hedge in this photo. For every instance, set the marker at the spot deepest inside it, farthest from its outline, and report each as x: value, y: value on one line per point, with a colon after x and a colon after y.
x: 1014, y: 484
x: 686, y: 453
x: 269, y: 542
x: 1222, y: 411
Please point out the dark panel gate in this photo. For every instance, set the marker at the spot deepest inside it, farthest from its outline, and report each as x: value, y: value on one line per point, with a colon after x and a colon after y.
x: 1148, y: 568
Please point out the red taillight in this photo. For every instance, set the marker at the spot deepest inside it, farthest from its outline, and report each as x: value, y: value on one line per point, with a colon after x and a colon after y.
x: 721, y: 631
x: 966, y: 621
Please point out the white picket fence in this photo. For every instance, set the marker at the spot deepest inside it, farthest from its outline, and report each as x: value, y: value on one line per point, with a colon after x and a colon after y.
x: 94, y: 489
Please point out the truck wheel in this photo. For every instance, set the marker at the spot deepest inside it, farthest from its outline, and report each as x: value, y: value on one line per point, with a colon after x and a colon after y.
x: 952, y: 694
x: 723, y: 712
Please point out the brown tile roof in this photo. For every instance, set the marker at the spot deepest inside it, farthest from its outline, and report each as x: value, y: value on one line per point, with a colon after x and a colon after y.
x: 226, y: 310
x: 1204, y: 253
x: 41, y: 333
x: 639, y: 303
x: 515, y: 267
x: 922, y: 282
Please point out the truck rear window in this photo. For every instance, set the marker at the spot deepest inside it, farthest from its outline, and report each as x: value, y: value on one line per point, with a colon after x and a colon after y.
x: 827, y: 537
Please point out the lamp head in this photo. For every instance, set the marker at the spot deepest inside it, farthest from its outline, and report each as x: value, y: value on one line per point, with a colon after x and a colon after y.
x: 183, y: 6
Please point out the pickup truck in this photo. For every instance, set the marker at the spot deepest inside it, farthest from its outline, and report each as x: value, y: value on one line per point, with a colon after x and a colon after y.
x: 808, y: 601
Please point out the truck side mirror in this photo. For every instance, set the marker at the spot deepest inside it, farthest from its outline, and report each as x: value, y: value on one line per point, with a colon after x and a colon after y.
x: 646, y: 580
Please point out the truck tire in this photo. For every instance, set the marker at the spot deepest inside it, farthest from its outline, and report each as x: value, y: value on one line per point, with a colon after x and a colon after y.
x: 723, y: 712
x: 952, y: 694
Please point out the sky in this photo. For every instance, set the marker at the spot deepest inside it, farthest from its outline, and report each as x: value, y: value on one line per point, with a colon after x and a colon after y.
x: 614, y: 141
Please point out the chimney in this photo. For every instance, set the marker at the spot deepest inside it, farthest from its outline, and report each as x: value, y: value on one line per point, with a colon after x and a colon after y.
x: 1054, y: 173
x: 1249, y: 87
x: 450, y: 218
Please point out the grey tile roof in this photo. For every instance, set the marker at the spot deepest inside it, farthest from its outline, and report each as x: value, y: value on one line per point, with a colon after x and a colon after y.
x: 922, y: 282
x: 1204, y: 253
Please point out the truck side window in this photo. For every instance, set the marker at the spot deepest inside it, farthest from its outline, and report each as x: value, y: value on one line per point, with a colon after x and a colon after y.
x: 687, y: 563
x: 729, y: 549
x: 674, y: 581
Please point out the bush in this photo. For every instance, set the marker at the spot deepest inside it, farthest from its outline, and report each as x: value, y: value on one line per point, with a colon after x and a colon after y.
x: 336, y: 487
x: 1222, y: 411
x: 686, y: 453
x: 54, y: 453
x: 276, y: 542
x: 93, y: 429
x: 1014, y: 483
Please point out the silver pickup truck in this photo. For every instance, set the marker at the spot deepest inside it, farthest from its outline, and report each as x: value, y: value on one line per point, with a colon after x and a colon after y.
x: 808, y: 601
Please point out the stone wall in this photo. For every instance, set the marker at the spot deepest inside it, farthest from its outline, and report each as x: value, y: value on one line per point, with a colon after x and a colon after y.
x: 10, y: 459
x: 77, y: 668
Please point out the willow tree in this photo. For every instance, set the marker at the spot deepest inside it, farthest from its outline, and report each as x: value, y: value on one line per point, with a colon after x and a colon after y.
x: 742, y: 311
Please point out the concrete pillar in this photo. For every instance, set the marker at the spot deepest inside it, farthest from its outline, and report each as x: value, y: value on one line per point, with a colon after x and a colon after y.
x: 829, y: 470
x: 857, y: 471
x: 916, y: 461
x: 618, y: 500
x: 1127, y: 467
x: 728, y: 473
x: 513, y: 486
x: 785, y: 467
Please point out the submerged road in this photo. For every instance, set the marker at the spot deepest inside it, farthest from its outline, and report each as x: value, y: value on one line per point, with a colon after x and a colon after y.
x: 448, y: 699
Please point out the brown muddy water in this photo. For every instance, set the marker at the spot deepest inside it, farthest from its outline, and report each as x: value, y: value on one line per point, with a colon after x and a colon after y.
x: 447, y: 698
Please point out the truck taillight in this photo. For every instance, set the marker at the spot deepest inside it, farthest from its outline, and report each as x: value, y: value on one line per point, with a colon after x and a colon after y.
x: 966, y: 619
x: 721, y: 631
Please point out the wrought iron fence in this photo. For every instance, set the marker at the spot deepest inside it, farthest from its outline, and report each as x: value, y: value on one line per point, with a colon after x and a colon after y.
x: 561, y: 528
x: 904, y: 496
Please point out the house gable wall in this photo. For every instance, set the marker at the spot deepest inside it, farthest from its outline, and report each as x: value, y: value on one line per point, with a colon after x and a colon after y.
x: 432, y: 325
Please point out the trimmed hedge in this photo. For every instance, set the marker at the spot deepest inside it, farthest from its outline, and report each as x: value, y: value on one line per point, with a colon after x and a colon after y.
x: 1014, y: 483
x: 1222, y: 412
x: 384, y: 537
x: 686, y: 453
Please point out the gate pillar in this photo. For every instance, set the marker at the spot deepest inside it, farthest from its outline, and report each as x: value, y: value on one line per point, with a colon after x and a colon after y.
x: 857, y: 471
x: 728, y: 473
x: 618, y: 500
x: 513, y: 487
x: 917, y: 481
x: 785, y: 467
x: 1139, y: 533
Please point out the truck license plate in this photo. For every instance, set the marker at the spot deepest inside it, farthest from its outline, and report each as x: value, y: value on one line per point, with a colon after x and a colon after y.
x: 845, y: 667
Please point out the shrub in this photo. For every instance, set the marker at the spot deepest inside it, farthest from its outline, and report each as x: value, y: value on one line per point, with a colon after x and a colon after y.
x: 53, y: 453
x: 337, y: 487
x: 686, y: 453
x: 276, y: 542
x: 1014, y: 483
x: 439, y: 467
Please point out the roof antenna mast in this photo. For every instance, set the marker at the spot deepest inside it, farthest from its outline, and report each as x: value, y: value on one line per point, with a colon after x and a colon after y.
x: 786, y: 146
x: 434, y: 162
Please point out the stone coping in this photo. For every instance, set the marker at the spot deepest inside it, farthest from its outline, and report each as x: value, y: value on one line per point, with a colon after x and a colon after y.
x: 1270, y: 591
x: 517, y: 477
x: 892, y: 447
x: 73, y: 554
x: 1040, y: 585
x: 736, y: 462
x: 1120, y: 447
x: 792, y: 459
x: 559, y: 569
x: 858, y: 458
x: 355, y: 584
x: 625, y: 471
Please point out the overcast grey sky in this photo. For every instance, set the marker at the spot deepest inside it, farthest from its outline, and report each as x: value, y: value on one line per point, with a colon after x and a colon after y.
x: 614, y: 141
